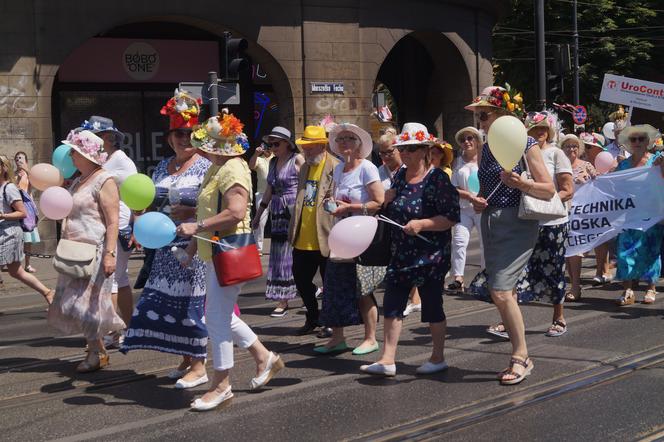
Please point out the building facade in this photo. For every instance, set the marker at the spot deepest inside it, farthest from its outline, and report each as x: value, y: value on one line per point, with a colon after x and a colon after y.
x: 65, y: 60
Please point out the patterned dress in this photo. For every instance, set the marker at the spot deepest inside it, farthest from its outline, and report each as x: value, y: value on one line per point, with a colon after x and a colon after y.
x: 280, y: 282
x: 170, y: 314
x: 84, y: 305
x: 639, y: 251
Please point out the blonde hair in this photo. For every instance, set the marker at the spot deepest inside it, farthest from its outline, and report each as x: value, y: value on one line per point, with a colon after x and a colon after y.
x: 388, y: 138
x: 7, y: 169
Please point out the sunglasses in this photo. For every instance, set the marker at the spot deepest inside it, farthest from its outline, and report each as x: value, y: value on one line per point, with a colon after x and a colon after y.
x: 347, y: 139
x: 411, y: 148
x: 639, y: 139
x: 273, y: 144
x: 179, y: 133
x: 386, y: 153
x: 469, y: 138
x: 483, y: 116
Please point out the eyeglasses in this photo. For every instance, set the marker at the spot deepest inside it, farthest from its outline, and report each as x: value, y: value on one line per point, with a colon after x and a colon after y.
x: 346, y: 139
x: 273, y: 144
x: 386, y: 153
x: 639, y: 139
x: 571, y: 147
x: 483, y: 116
x: 411, y: 148
x: 469, y: 138
x: 181, y: 133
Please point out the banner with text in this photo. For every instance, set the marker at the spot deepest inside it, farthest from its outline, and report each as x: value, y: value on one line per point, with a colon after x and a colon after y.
x: 602, y: 208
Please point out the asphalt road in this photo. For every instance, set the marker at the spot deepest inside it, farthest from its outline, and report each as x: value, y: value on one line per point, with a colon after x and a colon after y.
x: 603, y: 380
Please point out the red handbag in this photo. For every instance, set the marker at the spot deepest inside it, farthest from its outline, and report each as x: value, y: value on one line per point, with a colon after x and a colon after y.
x: 235, y: 257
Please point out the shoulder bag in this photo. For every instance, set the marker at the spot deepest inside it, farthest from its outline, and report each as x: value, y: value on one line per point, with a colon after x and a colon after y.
x: 533, y: 208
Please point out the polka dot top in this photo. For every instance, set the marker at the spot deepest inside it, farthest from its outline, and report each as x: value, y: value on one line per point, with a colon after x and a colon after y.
x: 489, y: 175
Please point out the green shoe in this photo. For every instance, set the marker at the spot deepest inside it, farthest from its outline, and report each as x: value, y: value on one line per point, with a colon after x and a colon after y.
x: 323, y: 350
x: 365, y: 351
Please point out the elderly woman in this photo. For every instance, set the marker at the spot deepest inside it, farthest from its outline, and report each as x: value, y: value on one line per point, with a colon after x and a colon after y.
x: 84, y: 305
x: 389, y: 154
x: 508, y: 240
x: 279, y: 196
x: 12, y: 211
x: 469, y: 139
x: 224, y: 210
x: 425, y: 202
x: 545, y: 272
x: 23, y: 183
x: 638, y: 251
x: 169, y: 315
x: 348, y: 288
x: 582, y: 172
x: 442, y: 156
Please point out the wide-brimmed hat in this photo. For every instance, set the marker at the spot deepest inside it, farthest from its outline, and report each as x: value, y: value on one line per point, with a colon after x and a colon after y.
x: 448, y: 151
x: 87, y: 144
x: 221, y: 135
x: 472, y: 130
x: 415, y: 133
x: 97, y: 125
x: 363, y: 135
x: 312, y: 135
x: 183, y: 110
x: 608, y: 130
x: 647, y: 129
x: 546, y: 119
x: 500, y: 98
x: 592, y: 139
x: 571, y: 137
x: 281, y: 133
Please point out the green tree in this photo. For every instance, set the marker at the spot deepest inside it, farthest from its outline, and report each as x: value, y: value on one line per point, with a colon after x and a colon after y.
x: 622, y: 37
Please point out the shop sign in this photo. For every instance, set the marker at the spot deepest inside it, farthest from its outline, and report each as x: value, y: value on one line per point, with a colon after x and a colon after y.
x: 633, y: 92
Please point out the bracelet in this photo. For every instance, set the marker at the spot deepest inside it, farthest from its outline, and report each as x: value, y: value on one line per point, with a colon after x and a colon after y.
x: 364, y: 209
x: 200, y: 225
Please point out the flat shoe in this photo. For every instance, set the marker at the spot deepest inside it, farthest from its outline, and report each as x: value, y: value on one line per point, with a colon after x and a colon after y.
x: 274, y: 365
x: 323, y: 350
x: 279, y: 312
x: 177, y: 374
x: 650, y: 298
x: 357, y: 351
x: 201, y: 405
x: 181, y: 384
x: 430, y: 367
x: 380, y: 369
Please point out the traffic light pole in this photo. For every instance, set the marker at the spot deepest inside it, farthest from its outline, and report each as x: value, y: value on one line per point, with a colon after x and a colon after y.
x: 213, y: 105
x: 541, y: 54
x: 576, y: 55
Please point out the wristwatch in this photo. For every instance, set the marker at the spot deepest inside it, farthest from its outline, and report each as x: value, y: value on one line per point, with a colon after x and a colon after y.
x: 200, y: 225
x: 113, y: 253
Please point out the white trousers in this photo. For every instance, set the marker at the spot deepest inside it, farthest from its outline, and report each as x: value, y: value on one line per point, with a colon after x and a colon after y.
x: 461, y: 238
x: 121, y: 275
x: 224, y: 327
x: 260, y: 231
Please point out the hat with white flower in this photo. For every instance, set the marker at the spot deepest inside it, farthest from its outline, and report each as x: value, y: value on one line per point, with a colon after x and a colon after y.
x: 221, y: 135
x: 415, y: 133
x: 182, y: 109
x: 547, y: 118
x: 87, y: 144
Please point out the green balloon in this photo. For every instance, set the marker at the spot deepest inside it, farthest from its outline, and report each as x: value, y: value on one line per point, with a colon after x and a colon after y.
x: 137, y: 191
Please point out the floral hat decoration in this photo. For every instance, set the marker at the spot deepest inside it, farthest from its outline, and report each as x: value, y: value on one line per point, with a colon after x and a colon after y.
x: 592, y: 139
x: 221, y: 135
x: 415, y: 133
x: 87, y: 144
x: 501, y: 98
x: 183, y: 110
x: 547, y: 118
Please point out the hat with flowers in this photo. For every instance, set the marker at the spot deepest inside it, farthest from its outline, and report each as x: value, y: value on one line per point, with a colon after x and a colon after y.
x: 183, y: 110
x: 546, y: 118
x: 501, y: 98
x: 592, y: 139
x: 87, y: 144
x: 220, y: 135
x: 98, y: 125
x: 415, y: 133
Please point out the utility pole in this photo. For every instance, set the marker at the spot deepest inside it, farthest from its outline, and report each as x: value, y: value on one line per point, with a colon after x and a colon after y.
x: 213, y: 104
x: 576, y: 55
x: 541, y: 54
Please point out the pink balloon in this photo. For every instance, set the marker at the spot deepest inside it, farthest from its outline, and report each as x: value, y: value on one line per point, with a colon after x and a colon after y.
x: 604, y: 162
x: 56, y: 203
x: 351, y: 236
x: 42, y: 176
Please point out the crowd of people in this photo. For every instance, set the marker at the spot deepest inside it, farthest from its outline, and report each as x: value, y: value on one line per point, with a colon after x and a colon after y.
x: 305, y: 186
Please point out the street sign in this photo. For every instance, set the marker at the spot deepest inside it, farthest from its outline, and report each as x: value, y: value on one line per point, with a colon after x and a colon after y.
x: 325, y: 87
x: 229, y: 93
x: 580, y: 114
x: 633, y: 92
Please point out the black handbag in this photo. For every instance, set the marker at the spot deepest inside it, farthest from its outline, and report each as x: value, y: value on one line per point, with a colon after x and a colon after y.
x: 378, y: 253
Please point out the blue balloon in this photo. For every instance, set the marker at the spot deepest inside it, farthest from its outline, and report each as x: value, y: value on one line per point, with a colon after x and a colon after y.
x: 474, y: 183
x: 154, y: 230
x: 62, y: 160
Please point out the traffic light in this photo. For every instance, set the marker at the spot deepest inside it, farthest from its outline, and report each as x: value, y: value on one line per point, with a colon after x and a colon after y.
x: 555, y: 87
x: 234, y: 60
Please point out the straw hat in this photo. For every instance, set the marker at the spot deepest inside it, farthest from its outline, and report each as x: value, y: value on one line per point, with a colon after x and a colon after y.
x: 546, y: 119
x: 363, y: 135
x: 571, y: 137
x: 87, y: 144
x: 415, y: 133
x: 312, y: 135
x: 448, y: 151
x: 221, y: 135
x: 647, y: 129
x: 499, y: 98
x: 467, y: 129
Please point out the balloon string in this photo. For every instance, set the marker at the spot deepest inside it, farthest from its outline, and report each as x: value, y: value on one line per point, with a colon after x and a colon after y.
x: 224, y: 247
x: 394, y: 223
x: 494, y: 191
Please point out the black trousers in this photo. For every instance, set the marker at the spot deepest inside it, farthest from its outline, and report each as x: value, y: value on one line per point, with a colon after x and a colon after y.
x: 305, y: 265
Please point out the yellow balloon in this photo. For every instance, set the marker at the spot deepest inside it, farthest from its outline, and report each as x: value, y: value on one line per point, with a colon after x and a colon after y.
x: 507, y: 139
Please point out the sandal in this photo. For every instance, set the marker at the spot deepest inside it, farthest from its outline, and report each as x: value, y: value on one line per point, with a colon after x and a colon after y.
x: 558, y: 328
x: 627, y: 298
x: 601, y: 280
x: 650, y: 297
x: 30, y: 269
x: 528, y: 366
x: 456, y: 286
x: 87, y: 367
x: 572, y: 297
x: 498, y: 330
x: 49, y: 296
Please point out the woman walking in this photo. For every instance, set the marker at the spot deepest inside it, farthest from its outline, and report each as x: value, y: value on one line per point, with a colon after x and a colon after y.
x: 508, y: 240
x: 279, y: 196
x: 169, y: 315
x: 84, y: 305
x: 427, y: 204
x: 23, y: 183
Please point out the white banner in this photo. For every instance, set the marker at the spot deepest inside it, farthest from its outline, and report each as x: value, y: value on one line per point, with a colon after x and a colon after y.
x: 633, y: 92
x: 603, y: 207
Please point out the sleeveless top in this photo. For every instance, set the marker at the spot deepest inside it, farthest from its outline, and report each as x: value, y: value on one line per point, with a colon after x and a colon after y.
x: 85, y: 222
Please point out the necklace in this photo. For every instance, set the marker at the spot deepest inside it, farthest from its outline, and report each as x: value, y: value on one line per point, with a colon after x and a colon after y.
x: 180, y: 166
x: 86, y: 177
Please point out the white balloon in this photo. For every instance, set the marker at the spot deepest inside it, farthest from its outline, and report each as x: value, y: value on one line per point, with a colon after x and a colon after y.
x: 351, y: 236
x: 507, y: 140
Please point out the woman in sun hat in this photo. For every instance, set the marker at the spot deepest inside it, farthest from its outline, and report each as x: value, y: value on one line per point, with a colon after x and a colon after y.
x: 84, y: 305
x: 508, y: 240
x: 442, y: 156
x: 594, y: 145
x: 223, y: 142
x: 424, y: 201
x: 638, y: 251
x: 279, y: 197
x: 348, y: 287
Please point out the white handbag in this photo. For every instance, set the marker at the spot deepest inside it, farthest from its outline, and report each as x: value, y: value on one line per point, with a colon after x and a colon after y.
x: 533, y: 208
x: 75, y: 259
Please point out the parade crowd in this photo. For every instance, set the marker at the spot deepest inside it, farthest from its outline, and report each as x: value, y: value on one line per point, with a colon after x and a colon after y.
x: 433, y: 198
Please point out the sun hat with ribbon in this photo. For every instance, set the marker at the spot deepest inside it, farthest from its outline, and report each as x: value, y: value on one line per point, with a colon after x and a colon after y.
x: 183, y: 110
x: 281, y: 133
x: 312, y: 135
x: 98, y: 125
x: 363, y: 135
x: 221, y: 135
x: 87, y: 144
x: 547, y: 118
x: 646, y: 129
x: 501, y: 98
x: 592, y: 139
x: 415, y: 133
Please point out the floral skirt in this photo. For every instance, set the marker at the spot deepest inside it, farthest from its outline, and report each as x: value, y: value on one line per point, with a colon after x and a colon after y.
x: 638, y: 254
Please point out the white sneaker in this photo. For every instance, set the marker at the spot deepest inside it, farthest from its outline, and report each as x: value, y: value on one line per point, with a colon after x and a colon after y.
x: 411, y: 308
x: 430, y: 367
x: 181, y: 384
x: 201, y: 405
x: 380, y: 369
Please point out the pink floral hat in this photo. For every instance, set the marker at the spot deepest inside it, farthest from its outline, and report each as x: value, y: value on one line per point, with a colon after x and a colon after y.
x: 87, y: 144
x: 547, y: 118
